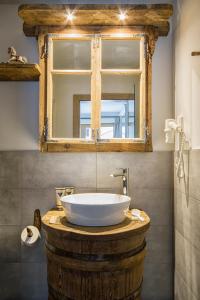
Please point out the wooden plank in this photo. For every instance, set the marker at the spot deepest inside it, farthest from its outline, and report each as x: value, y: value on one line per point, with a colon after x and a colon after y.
x: 155, y: 14
x: 71, y: 72
x: 42, y: 91
x: 19, y: 72
x: 30, y: 30
x: 121, y: 71
x: 68, y: 146
x: 195, y: 53
x: 49, y: 91
x: 151, y: 42
x: 96, y: 86
x: 143, y: 99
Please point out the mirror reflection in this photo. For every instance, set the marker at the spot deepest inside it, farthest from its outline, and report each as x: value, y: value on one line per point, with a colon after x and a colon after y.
x: 71, y: 90
x: 120, y: 106
x: 120, y: 54
x: 66, y: 103
x: 71, y: 54
x: 117, y: 118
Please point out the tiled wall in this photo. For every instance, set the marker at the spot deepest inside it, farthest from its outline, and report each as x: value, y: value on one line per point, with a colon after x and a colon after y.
x: 187, y: 230
x: 27, y: 181
x: 187, y: 193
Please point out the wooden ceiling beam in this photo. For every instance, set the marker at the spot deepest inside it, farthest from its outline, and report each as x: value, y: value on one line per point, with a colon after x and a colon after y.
x: 54, y: 17
x: 32, y: 31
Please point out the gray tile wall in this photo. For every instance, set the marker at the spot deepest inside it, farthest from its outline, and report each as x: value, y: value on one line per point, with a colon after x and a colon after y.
x: 187, y: 230
x: 27, y: 181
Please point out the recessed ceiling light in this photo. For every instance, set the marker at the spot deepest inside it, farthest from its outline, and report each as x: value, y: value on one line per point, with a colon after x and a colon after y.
x: 122, y: 16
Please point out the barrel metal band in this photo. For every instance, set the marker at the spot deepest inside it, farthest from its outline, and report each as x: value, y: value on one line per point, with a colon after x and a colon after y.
x: 95, y: 257
x: 55, y: 295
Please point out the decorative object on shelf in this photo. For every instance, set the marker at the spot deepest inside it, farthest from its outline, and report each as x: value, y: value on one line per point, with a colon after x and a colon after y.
x: 14, y: 58
x: 61, y: 192
x: 195, y: 53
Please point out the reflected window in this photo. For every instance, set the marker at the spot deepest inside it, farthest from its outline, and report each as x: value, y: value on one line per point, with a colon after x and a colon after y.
x: 117, y: 116
x: 85, y: 119
x: 117, y: 119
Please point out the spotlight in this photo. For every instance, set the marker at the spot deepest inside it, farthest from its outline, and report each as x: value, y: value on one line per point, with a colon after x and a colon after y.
x: 122, y: 16
x: 70, y: 16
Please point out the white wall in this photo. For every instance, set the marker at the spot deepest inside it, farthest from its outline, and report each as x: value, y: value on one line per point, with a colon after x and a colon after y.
x: 19, y: 101
x: 187, y: 68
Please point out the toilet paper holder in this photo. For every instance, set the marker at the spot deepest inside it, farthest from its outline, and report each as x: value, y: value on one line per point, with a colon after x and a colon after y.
x: 36, y: 223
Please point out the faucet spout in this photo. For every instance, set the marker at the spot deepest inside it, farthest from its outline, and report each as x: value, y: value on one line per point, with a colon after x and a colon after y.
x: 125, y: 178
x: 116, y: 175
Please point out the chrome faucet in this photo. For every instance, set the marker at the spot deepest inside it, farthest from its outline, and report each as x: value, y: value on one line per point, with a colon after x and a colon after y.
x: 125, y: 178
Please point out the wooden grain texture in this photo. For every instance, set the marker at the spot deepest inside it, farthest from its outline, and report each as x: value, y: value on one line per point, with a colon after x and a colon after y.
x: 95, y: 263
x: 19, y: 72
x: 195, y: 53
x: 128, y: 226
x: 42, y: 90
x: 30, y: 30
x: 151, y: 39
x: 106, y: 146
x: 95, y: 15
x: 96, y: 87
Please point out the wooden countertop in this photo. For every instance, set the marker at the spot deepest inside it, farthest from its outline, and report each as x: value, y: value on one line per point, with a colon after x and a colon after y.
x: 126, y: 228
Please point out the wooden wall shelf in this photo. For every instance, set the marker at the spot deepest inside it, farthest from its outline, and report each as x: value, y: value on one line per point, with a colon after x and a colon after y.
x: 19, y: 72
x: 195, y: 53
x: 37, y: 17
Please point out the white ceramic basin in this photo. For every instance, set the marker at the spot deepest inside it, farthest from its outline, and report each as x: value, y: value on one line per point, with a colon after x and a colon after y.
x: 95, y: 209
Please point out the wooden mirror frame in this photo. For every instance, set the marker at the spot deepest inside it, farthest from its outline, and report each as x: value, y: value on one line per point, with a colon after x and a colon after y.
x: 150, y: 35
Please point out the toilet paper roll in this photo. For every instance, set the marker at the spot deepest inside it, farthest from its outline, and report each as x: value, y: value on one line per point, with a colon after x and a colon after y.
x: 30, y: 240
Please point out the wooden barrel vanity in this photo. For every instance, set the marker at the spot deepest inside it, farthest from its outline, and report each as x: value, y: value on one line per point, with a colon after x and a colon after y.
x: 95, y: 263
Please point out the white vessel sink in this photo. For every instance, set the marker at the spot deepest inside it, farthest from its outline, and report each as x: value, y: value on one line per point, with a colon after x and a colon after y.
x: 95, y: 209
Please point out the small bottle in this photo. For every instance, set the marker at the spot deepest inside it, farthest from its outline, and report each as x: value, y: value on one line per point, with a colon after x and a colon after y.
x: 60, y: 192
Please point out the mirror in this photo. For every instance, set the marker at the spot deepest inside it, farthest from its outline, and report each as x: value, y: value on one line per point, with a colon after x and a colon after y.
x: 120, y: 106
x: 117, y: 116
x: 120, y: 54
x: 71, y: 54
x: 75, y: 67
x: 65, y: 111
